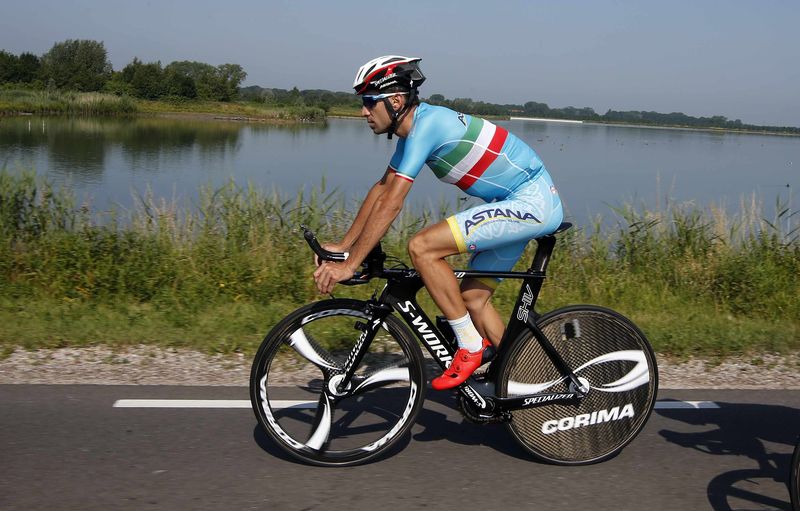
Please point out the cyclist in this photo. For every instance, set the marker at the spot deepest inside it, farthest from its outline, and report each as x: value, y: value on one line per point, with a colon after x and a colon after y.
x: 482, y: 159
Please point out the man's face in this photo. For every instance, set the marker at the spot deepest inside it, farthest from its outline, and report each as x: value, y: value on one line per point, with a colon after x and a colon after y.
x: 377, y: 115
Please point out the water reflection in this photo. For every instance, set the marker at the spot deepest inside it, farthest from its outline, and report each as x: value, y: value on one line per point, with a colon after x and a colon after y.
x: 594, y: 166
x: 147, y: 145
x: 79, y: 147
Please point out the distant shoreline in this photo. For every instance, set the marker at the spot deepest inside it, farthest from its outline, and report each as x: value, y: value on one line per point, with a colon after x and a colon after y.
x: 340, y: 114
x: 27, y: 102
x: 654, y: 126
x: 544, y: 119
x: 279, y: 115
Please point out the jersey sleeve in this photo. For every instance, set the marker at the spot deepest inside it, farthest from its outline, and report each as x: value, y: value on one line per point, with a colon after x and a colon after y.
x: 397, y: 157
x: 412, y: 152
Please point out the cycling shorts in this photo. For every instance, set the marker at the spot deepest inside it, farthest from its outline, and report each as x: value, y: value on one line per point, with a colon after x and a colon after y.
x: 496, y: 233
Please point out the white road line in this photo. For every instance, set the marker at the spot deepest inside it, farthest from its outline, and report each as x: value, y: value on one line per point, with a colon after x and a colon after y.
x: 683, y: 405
x: 285, y: 403
x: 205, y: 403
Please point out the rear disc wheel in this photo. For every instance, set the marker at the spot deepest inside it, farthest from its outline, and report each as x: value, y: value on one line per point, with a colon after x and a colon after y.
x: 607, y: 353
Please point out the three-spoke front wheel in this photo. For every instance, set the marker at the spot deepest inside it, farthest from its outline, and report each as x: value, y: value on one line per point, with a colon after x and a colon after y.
x: 299, y: 396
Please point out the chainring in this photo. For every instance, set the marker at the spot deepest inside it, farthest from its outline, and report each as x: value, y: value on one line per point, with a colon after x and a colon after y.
x: 472, y: 414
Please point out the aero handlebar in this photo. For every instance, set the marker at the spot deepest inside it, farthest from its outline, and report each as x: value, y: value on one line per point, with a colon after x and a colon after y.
x: 372, y: 265
x: 325, y: 255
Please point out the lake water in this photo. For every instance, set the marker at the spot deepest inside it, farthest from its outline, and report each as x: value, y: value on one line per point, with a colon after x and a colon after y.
x: 110, y: 161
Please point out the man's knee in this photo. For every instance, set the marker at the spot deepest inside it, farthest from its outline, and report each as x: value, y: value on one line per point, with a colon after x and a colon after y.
x: 433, y: 243
x: 417, y: 248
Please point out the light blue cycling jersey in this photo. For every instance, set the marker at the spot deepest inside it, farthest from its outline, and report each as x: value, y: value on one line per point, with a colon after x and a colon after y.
x: 488, y: 162
x: 481, y: 158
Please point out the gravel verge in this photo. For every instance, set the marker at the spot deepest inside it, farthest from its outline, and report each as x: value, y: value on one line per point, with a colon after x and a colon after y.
x: 148, y: 365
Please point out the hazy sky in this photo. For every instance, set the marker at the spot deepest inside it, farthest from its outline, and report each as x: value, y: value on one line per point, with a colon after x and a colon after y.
x: 740, y: 59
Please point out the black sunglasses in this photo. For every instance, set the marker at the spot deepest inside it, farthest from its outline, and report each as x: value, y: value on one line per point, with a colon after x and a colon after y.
x: 370, y: 100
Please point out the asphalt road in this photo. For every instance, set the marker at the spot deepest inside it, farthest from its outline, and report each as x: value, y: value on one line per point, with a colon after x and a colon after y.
x: 68, y: 447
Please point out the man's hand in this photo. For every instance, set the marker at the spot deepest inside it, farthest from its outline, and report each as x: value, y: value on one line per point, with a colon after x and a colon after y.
x: 328, y: 274
x: 331, y: 247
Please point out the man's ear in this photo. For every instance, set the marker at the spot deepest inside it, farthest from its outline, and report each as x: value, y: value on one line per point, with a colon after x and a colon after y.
x: 398, y: 101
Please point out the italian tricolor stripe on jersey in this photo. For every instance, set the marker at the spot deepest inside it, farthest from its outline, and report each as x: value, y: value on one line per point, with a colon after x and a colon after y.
x: 401, y: 176
x: 472, y: 155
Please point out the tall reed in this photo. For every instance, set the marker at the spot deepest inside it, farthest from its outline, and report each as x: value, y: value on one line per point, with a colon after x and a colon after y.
x: 54, y: 102
x: 45, y: 102
x: 218, y: 274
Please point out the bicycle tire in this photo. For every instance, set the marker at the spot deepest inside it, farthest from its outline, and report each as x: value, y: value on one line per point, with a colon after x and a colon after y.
x: 794, y: 478
x: 605, y: 350
x: 303, y: 355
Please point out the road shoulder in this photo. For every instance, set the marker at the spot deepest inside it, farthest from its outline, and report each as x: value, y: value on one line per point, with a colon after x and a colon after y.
x: 149, y: 365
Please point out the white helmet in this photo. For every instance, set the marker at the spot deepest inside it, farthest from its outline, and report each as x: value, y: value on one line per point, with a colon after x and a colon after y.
x: 388, y: 71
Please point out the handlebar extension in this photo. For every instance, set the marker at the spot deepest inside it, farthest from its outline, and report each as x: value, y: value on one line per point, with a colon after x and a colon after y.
x: 323, y: 254
x: 373, y: 264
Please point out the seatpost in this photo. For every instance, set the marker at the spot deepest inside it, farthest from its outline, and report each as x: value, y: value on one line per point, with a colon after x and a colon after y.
x: 544, y: 248
x: 529, y: 291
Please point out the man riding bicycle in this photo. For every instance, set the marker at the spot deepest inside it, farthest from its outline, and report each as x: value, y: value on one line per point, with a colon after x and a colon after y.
x: 483, y: 160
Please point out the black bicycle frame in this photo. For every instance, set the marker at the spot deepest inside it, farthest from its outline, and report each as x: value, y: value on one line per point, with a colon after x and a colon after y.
x: 400, y: 295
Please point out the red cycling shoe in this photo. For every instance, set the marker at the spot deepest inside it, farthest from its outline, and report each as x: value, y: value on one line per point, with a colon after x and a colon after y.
x: 463, y: 365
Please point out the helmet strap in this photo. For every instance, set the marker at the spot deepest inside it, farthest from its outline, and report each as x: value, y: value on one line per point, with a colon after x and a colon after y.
x: 398, y: 116
x: 394, y: 115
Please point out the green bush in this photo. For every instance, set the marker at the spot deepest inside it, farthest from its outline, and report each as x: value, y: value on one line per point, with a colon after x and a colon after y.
x: 221, y: 274
x: 47, y: 102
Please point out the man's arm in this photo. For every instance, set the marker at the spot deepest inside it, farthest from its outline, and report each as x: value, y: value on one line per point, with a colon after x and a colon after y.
x: 377, y: 221
x: 373, y: 195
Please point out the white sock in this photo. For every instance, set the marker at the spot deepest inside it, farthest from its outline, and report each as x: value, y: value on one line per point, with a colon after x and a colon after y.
x: 466, y: 334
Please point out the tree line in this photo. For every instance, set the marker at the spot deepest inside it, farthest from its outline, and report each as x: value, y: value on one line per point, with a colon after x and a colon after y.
x: 326, y: 99
x: 319, y: 98
x: 83, y: 65
x: 535, y: 109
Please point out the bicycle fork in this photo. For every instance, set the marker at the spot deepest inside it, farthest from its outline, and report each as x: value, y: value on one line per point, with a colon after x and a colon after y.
x: 376, y: 312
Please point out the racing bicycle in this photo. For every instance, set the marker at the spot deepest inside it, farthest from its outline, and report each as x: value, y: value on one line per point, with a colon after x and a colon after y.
x: 339, y: 382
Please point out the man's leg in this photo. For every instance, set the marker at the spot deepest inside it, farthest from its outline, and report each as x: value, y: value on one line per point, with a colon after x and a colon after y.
x: 496, y: 242
x: 427, y: 249
x: 487, y: 320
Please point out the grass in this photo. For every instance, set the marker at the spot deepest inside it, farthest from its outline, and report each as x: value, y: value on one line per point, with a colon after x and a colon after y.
x: 343, y: 111
x: 253, y: 111
x: 218, y: 275
x: 19, y: 101
x: 15, y: 101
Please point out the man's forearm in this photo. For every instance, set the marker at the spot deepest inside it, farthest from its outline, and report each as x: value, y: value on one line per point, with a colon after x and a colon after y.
x: 364, y: 211
x: 385, y: 209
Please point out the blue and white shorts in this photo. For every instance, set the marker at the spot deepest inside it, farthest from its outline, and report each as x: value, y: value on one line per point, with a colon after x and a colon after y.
x: 496, y: 233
